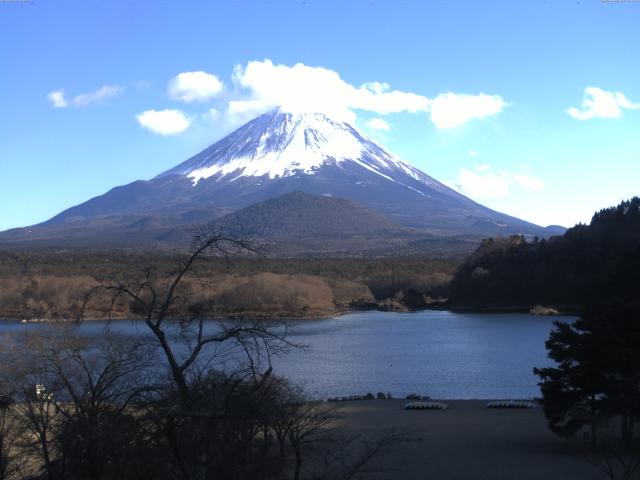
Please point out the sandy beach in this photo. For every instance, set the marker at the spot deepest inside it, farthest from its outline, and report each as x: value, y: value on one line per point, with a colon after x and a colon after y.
x: 467, y: 441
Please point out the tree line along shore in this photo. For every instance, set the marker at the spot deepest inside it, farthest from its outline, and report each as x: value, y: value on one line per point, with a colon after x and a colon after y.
x: 53, y: 285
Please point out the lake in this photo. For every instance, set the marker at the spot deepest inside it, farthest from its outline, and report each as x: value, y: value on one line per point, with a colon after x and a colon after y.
x: 437, y: 353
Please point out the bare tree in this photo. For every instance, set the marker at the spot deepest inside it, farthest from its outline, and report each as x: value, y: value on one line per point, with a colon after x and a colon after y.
x: 33, y: 405
x: 212, y: 409
x: 344, y: 457
x: 7, y: 438
x: 95, y: 385
x: 38, y: 423
x: 159, y: 299
x: 312, y: 430
x: 614, y: 458
x: 73, y: 398
x: 306, y: 421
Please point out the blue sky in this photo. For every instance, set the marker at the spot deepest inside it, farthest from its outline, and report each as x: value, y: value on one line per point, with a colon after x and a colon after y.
x: 531, y: 108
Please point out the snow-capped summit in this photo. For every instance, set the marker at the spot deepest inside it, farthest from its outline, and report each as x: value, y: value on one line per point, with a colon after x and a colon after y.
x: 283, y: 144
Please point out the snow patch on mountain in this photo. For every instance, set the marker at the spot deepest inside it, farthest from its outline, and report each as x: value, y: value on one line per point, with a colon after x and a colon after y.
x: 282, y: 144
x: 306, y: 141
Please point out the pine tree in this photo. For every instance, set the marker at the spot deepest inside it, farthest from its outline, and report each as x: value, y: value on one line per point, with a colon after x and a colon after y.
x: 598, y: 372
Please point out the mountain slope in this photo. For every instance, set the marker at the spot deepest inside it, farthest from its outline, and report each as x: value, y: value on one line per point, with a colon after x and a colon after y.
x: 298, y: 223
x: 275, y: 154
x: 298, y: 214
x: 280, y: 152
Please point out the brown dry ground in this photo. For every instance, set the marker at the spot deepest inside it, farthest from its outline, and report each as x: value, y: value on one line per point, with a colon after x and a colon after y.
x: 467, y: 441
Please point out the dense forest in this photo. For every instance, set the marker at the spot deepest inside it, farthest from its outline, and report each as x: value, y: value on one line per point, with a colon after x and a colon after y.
x: 589, y: 263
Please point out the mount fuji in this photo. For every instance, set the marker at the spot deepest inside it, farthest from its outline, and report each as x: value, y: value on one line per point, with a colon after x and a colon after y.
x: 275, y: 155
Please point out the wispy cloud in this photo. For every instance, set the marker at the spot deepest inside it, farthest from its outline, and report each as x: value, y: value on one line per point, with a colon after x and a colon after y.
x: 378, y: 124
x: 598, y: 103
x: 103, y: 93
x: 195, y: 87
x: 450, y: 110
x: 164, y: 122
x: 57, y: 98
x: 482, y: 182
x: 528, y: 181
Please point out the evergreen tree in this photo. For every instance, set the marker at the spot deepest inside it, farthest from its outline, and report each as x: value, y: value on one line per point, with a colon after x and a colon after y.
x: 573, y: 393
x: 598, y: 372
x: 599, y: 261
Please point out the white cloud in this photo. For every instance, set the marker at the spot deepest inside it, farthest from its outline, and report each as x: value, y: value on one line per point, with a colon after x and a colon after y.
x: 238, y: 111
x: 58, y: 100
x: 103, y: 93
x: 378, y: 124
x: 194, y: 87
x: 528, y: 181
x: 377, y: 97
x: 164, y: 122
x: 260, y: 86
x: 449, y: 110
x: 482, y: 183
x: 473, y: 153
x: 598, y: 103
x: 301, y: 88
x: 213, y: 114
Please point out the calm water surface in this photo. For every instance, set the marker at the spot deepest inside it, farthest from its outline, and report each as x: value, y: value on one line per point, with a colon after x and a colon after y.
x: 436, y: 353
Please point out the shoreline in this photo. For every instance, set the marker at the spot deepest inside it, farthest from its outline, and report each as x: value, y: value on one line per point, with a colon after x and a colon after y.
x: 544, y: 311
x: 350, y: 400
x: 322, y: 315
x: 224, y: 316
